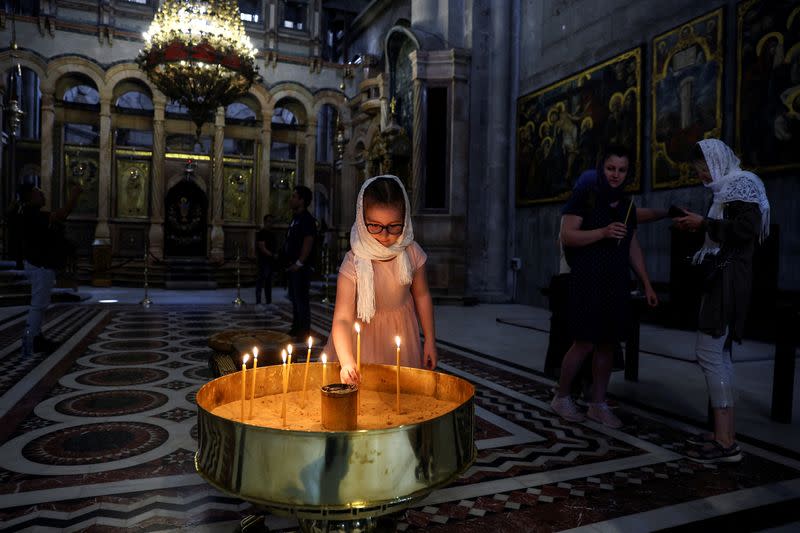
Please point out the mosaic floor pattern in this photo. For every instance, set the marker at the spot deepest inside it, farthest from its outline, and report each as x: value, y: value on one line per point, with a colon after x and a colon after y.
x: 100, y: 436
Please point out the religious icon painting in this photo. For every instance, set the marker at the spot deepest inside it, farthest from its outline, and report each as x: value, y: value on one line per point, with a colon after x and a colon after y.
x: 132, y: 186
x: 687, y: 87
x: 562, y: 127
x: 768, y: 85
x: 237, y: 196
x: 81, y: 166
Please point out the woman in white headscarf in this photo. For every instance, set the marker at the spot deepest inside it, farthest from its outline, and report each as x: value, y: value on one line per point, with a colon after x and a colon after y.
x: 737, y: 220
x: 382, y: 285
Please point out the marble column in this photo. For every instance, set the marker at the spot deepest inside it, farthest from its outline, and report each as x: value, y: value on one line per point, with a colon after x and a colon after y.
x: 102, y: 233
x: 311, y: 154
x: 263, y: 189
x: 416, y: 146
x: 495, y: 189
x: 156, y: 234
x: 46, y: 163
x: 217, y: 253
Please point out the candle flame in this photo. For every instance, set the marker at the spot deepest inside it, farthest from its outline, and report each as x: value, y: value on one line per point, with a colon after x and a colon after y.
x: 358, y: 327
x: 283, y: 356
x: 289, y: 349
x: 310, y: 342
x: 245, y: 358
x: 255, y: 352
x: 397, y: 341
x: 324, y: 358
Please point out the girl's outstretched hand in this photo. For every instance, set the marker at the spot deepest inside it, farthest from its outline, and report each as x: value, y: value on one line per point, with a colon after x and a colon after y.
x: 429, y: 354
x: 349, y: 374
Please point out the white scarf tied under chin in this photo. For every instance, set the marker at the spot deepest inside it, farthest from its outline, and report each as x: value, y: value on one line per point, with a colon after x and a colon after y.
x: 366, y: 250
x: 729, y: 183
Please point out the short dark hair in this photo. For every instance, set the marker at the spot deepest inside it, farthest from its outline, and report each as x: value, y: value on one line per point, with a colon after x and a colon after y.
x: 24, y: 191
x: 304, y: 193
x: 385, y: 191
x: 697, y: 155
x: 617, y: 150
x: 268, y: 216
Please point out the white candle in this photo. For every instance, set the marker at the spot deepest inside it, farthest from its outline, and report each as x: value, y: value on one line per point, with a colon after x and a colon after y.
x: 305, y: 374
x: 244, y: 382
x: 397, y: 397
x: 253, y: 385
x: 285, y: 384
x: 358, y: 347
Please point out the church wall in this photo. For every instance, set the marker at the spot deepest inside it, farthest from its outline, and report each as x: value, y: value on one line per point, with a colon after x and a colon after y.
x: 372, y: 25
x: 561, y: 37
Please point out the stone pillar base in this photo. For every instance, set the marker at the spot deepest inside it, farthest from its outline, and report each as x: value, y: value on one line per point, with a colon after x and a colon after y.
x: 101, y: 263
x: 155, y: 239
x: 217, y: 254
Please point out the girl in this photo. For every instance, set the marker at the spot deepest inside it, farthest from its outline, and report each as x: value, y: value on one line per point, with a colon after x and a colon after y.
x: 598, y: 230
x: 382, y: 285
x: 737, y: 220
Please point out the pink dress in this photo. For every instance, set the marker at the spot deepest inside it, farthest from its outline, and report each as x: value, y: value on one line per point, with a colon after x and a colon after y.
x: 395, y: 313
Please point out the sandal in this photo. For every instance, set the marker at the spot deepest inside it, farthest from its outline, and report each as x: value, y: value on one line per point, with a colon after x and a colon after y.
x: 700, y: 439
x: 714, y: 452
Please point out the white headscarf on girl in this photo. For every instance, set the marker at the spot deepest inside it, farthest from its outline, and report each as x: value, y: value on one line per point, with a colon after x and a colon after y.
x: 729, y: 183
x: 366, y: 250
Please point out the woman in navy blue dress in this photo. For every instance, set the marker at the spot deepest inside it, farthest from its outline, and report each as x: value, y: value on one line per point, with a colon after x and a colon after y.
x: 599, y: 235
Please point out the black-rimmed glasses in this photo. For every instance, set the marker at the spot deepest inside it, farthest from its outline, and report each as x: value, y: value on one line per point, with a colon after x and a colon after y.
x: 391, y: 229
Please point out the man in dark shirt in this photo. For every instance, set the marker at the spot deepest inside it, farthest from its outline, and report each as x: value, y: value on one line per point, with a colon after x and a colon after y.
x: 299, y: 250
x: 44, y: 251
x: 265, y: 251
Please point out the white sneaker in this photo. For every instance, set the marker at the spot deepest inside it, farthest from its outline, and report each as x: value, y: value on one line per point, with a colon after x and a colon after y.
x: 601, y: 412
x: 566, y: 409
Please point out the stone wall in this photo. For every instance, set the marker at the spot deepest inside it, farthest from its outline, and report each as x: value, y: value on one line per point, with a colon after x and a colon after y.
x: 561, y: 37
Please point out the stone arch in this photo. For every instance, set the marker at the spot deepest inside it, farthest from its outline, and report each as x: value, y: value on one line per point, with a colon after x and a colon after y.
x: 294, y: 91
x: 395, y: 30
x: 66, y: 65
x: 264, y: 99
x: 123, y: 72
x: 25, y: 59
x: 334, y: 98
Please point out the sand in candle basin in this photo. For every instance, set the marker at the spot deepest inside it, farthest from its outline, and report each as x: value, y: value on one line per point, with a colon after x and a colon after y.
x: 377, y: 410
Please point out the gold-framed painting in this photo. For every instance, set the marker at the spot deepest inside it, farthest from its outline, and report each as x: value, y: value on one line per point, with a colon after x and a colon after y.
x: 768, y: 85
x: 81, y: 166
x: 687, y: 89
x: 133, y: 187
x: 237, y: 195
x: 562, y: 128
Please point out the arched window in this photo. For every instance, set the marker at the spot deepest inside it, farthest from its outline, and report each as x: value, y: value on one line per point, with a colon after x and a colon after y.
x: 399, y: 46
x: 135, y: 102
x: 82, y: 95
x: 240, y: 113
x: 327, y: 121
x: 282, y: 115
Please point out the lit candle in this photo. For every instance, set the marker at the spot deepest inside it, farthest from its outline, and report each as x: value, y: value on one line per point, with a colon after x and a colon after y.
x: 324, y: 369
x: 245, y: 357
x: 397, y: 397
x: 358, y: 347
x: 253, y: 385
x: 358, y: 363
x: 285, y: 383
x: 305, y: 374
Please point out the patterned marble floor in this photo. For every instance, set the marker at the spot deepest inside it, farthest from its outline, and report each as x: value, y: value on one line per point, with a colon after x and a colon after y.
x: 100, y: 436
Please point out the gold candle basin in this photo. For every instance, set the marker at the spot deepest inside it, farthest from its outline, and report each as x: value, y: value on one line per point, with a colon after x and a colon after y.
x: 335, y: 475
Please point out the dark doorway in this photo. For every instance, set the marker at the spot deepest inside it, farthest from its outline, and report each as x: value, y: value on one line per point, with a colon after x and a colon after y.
x: 186, y: 225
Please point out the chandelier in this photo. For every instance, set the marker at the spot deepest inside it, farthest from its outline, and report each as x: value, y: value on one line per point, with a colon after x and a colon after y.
x: 197, y: 53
